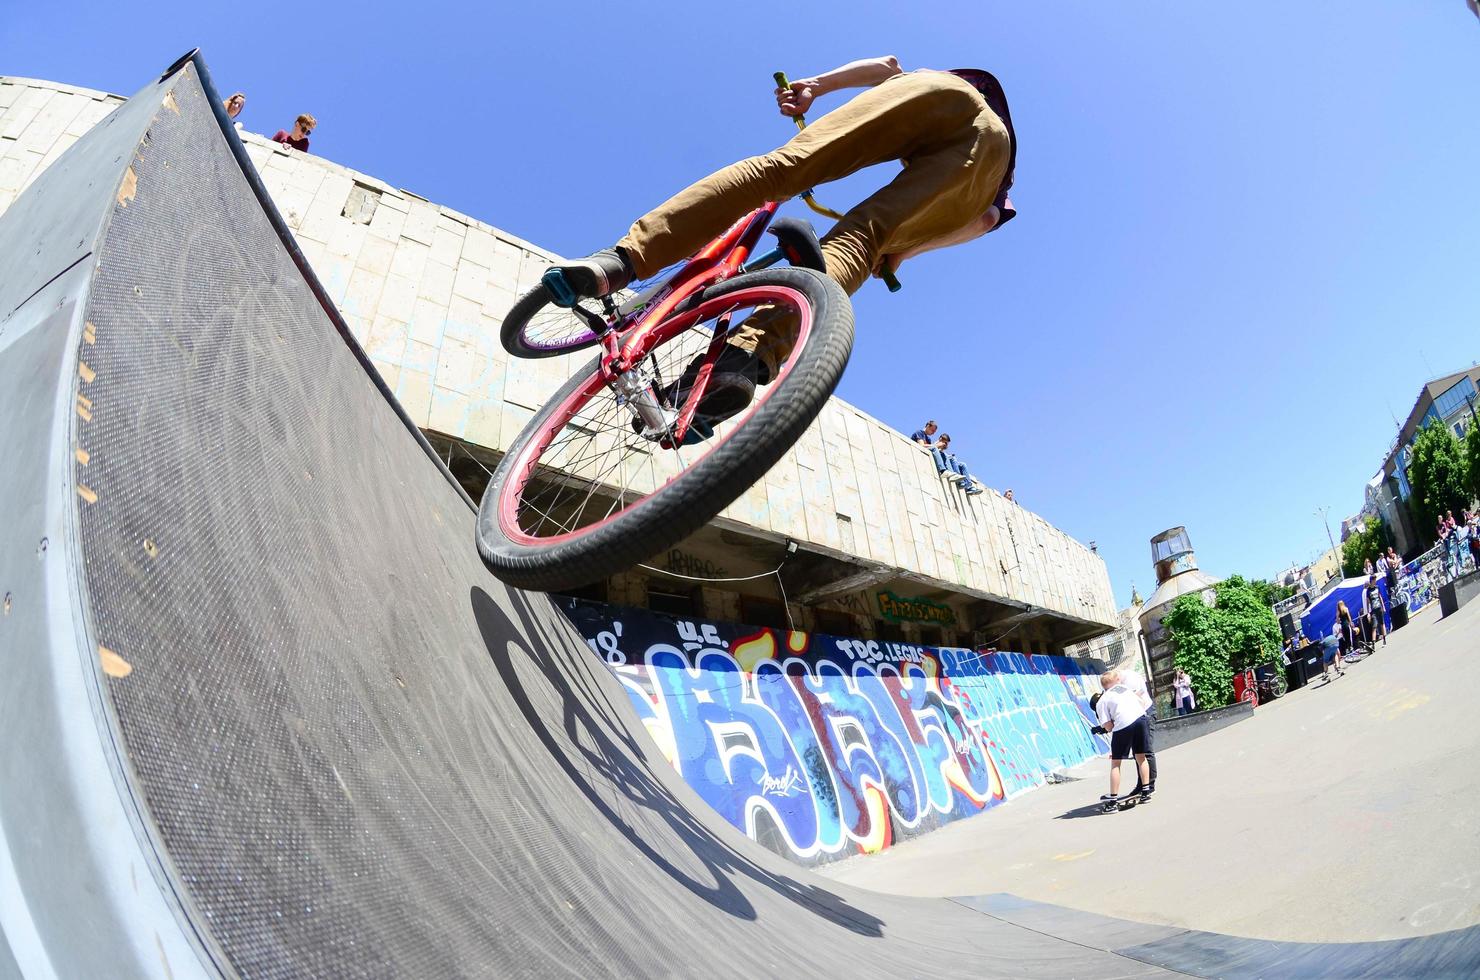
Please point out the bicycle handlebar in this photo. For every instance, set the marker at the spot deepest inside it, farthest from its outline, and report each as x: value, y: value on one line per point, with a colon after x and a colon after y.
x: 890, y: 280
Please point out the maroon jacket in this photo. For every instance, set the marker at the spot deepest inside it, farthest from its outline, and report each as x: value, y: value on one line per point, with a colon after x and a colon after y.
x: 986, y: 83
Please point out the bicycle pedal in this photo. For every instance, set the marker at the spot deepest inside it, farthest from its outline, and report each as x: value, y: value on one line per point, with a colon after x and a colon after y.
x: 560, y: 290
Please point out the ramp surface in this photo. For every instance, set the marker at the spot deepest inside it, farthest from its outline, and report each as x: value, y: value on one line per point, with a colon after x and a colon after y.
x: 336, y: 745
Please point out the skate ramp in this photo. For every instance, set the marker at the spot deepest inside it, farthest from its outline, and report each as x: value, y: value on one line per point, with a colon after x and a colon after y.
x: 266, y: 714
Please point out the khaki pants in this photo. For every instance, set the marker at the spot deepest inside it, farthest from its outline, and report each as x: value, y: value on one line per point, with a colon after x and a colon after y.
x: 956, y: 152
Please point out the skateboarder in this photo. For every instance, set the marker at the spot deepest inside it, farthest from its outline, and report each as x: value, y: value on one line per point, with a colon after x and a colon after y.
x: 1122, y: 714
x: 1136, y: 684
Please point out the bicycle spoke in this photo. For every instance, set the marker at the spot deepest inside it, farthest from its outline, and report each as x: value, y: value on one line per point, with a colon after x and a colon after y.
x: 598, y: 462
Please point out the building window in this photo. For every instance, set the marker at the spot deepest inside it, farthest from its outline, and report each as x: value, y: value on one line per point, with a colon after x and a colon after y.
x: 892, y: 632
x: 834, y: 623
x: 1455, y: 397
x: 758, y: 611
x: 673, y: 601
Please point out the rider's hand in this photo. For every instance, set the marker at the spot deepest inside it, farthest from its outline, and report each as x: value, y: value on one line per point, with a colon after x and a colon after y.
x: 795, y: 101
x: 890, y: 262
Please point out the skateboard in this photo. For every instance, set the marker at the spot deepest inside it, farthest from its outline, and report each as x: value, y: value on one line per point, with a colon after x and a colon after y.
x: 1110, y: 804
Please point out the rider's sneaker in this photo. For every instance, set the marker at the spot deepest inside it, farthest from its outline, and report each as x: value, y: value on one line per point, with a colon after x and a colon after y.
x: 731, y: 386
x: 598, y: 274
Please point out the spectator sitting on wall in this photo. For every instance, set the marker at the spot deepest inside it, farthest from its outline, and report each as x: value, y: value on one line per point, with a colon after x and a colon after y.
x: 1008, y: 495
x: 1121, y: 715
x: 298, y: 138
x: 234, y: 105
x: 952, y: 468
x: 1182, y: 685
x: 1367, y: 567
x: 925, y: 436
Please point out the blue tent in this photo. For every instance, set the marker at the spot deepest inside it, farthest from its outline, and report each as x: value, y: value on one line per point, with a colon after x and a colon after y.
x: 1320, y: 619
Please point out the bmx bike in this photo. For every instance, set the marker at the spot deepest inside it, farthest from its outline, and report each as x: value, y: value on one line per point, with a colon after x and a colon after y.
x: 620, y: 464
x: 1261, y: 690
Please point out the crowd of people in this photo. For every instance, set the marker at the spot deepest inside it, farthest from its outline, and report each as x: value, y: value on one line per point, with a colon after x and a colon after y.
x: 1461, y: 541
x: 947, y: 463
x: 297, y: 137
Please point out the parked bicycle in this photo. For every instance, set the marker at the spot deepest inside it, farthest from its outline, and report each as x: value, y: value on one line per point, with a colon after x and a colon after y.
x: 1261, y: 689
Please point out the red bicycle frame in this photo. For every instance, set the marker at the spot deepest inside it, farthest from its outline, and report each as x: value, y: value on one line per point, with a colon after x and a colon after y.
x: 627, y: 344
x: 716, y: 262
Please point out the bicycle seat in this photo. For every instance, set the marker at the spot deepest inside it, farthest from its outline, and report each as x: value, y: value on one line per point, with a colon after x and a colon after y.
x: 799, y: 241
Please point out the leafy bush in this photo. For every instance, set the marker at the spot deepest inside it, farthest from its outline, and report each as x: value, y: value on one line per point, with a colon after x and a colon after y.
x: 1213, y: 643
x: 1200, y: 650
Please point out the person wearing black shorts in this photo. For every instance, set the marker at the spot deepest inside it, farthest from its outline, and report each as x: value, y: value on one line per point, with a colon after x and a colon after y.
x: 1122, y: 715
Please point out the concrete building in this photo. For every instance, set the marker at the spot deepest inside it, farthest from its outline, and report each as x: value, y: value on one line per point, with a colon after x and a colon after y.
x: 1123, y: 647
x: 1177, y: 575
x: 1448, y: 400
x: 883, y: 546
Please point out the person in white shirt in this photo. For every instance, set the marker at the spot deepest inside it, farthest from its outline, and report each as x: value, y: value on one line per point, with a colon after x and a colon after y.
x: 1137, y: 685
x: 1122, y: 714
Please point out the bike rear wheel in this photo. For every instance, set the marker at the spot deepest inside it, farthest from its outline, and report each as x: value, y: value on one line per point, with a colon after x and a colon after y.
x: 536, y: 327
x: 581, y: 494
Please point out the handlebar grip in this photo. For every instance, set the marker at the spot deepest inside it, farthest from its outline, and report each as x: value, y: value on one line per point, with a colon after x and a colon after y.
x: 783, y: 83
x: 890, y: 280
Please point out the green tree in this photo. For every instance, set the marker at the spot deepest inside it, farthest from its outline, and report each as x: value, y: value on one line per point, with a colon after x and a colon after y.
x: 1200, y: 649
x: 1438, y: 476
x: 1472, y: 457
x: 1363, y: 546
x: 1212, y: 643
x: 1270, y: 592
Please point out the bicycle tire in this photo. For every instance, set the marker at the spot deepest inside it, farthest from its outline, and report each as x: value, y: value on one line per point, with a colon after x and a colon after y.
x: 517, y: 336
x: 1250, y: 695
x: 697, y: 493
x: 1278, y: 686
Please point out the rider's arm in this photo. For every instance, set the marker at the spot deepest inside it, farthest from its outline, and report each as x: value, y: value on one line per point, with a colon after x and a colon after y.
x: 855, y: 74
x: 968, y: 232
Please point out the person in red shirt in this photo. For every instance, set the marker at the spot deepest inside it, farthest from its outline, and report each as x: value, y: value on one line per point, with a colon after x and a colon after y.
x: 298, y: 138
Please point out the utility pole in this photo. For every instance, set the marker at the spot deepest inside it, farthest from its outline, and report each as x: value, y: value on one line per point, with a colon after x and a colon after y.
x: 1321, y: 513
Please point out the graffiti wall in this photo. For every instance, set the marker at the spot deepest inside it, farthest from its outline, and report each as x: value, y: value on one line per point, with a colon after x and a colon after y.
x: 823, y: 747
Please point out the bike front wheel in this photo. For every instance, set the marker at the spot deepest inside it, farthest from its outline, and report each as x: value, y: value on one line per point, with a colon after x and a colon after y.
x: 583, y: 493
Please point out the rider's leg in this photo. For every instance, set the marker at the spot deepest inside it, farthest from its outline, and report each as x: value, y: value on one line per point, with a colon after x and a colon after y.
x: 933, y: 196
x: 908, y: 116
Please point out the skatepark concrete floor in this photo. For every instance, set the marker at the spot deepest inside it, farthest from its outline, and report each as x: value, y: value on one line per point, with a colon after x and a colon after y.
x: 1344, y: 811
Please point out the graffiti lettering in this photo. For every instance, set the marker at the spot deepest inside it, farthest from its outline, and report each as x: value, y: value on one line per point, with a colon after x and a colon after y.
x: 686, y: 564
x: 914, y: 610
x: 822, y: 747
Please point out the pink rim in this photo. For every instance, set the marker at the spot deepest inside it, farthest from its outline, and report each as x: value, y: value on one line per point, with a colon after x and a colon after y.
x: 529, y: 456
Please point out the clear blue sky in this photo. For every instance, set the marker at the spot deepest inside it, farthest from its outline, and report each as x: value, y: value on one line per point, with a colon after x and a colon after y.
x: 1248, y: 231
